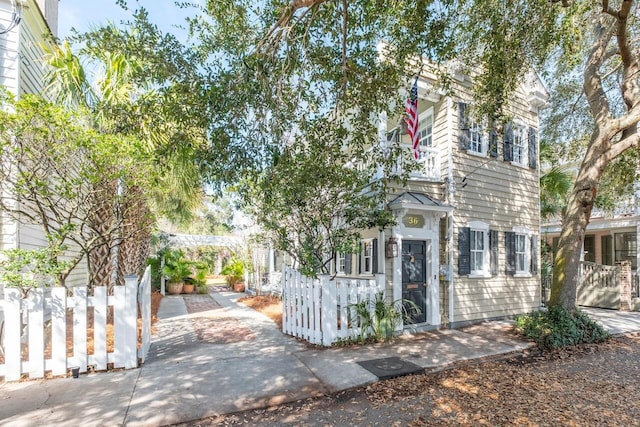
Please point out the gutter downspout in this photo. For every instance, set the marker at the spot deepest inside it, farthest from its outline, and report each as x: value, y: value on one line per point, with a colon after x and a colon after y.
x: 450, y: 190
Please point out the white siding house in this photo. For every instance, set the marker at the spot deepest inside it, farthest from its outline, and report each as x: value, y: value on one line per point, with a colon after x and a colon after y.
x: 468, y: 225
x: 25, y: 28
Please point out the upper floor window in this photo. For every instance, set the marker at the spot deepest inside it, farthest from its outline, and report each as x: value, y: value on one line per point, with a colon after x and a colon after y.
x: 425, y: 134
x: 476, y: 138
x: 520, y: 146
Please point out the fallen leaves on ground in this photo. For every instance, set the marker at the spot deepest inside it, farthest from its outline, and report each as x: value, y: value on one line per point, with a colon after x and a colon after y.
x: 269, y: 305
x: 587, y: 385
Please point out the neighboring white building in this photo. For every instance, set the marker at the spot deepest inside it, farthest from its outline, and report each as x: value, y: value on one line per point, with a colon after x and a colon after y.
x: 25, y: 28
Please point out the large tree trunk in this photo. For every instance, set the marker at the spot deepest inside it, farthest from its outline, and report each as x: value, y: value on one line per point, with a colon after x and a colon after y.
x: 613, y: 135
x: 133, y: 248
x: 103, y: 222
x: 566, y: 267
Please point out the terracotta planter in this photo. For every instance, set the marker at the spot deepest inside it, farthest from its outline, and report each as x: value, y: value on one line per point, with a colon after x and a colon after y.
x: 238, y: 287
x: 174, y: 288
x: 188, y: 288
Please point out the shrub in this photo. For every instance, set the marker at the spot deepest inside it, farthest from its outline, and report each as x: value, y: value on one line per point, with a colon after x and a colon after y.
x: 379, y: 318
x: 558, y: 327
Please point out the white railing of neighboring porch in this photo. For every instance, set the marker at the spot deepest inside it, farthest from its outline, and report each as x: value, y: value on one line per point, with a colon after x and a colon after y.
x: 42, y: 316
x: 319, y: 310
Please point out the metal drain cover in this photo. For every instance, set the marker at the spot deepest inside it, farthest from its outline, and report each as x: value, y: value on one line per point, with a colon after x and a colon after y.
x: 390, y: 367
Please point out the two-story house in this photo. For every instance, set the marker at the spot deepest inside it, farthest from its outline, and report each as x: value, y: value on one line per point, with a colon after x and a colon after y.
x: 465, y: 247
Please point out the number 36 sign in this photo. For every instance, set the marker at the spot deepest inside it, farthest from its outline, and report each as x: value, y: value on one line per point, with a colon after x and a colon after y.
x: 413, y: 221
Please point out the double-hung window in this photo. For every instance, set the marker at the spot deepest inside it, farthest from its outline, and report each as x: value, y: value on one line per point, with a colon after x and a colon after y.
x: 478, y: 245
x: 341, y: 261
x: 520, y: 146
x: 479, y: 248
x: 366, y: 260
x: 519, y: 251
x: 521, y: 254
x: 477, y: 140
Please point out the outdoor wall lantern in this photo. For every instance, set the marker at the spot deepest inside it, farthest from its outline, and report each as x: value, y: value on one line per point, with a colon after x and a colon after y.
x: 391, y: 249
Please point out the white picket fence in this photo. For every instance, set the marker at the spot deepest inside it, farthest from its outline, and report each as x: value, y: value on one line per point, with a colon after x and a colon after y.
x: 318, y: 310
x: 42, y: 316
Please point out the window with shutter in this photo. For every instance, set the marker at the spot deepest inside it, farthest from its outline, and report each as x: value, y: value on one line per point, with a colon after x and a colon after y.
x: 479, y: 249
x: 341, y: 260
x: 520, y: 245
x: 464, y: 255
x: 533, y: 148
x: 510, y: 252
x: 463, y: 127
x: 366, y: 257
x: 493, y: 247
x: 508, y: 143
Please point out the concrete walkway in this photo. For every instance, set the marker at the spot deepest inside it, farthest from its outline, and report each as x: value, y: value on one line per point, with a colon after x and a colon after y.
x: 195, y: 370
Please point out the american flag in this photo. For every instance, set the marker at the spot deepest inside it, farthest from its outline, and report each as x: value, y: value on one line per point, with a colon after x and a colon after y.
x: 411, y: 118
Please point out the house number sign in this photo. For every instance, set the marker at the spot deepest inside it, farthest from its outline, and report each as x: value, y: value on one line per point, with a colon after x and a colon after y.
x: 413, y: 221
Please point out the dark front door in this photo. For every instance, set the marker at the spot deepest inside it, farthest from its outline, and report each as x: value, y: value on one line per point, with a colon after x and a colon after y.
x: 414, y: 278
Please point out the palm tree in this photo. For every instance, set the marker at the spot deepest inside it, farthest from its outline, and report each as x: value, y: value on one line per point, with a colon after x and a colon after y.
x: 120, y: 102
x: 555, y: 184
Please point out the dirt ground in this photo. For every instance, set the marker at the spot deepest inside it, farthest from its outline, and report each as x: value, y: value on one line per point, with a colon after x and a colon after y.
x: 268, y: 305
x: 590, y: 385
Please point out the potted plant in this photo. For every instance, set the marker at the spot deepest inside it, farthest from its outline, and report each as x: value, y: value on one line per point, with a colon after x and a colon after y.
x: 189, y: 285
x: 234, y: 270
x: 200, y: 277
x: 176, y: 268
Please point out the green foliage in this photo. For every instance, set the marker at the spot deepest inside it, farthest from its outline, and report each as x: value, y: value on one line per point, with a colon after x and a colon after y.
x: 234, y: 270
x: 176, y: 266
x: 379, y: 318
x: 558, y: 327
x: 30, y: 268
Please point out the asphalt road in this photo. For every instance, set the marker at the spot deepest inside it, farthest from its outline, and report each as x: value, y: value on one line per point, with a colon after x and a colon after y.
x: 590, y: 385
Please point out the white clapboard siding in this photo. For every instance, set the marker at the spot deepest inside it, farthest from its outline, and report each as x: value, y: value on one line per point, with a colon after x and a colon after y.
x: 318, y: 310
x: 31, y: 316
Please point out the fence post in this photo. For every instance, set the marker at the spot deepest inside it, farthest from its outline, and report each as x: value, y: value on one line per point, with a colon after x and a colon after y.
x: 329, y: 311
x: 80, y: 327
x: 13, y: 331
x: 283, y: 282
x: 100, y: 310
x: 130, y: 349
x: 59, y: 330
x: 35, y: 307
x: 145, y: 304
x: 625, y: 286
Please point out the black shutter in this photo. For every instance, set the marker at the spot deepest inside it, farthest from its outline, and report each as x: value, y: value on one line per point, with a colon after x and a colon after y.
x: 464, y: 251
x: 493, y: 144
x: 464, y: 136
x: 360, y: 258
x: 534, y: 255
x: 374, y: 256
x: 493, y: 247
x: 508, y: 143
x: 533, y: 149
x: 347, y: 263
x: 510, y: 249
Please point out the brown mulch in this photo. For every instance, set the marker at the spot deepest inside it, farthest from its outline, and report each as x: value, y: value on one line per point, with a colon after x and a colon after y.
x: 269, y: 305
x: 588, y: 385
